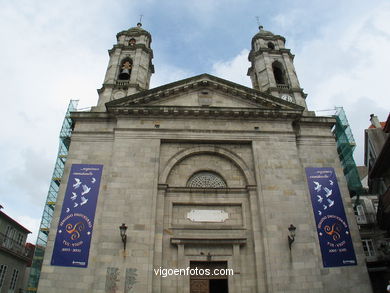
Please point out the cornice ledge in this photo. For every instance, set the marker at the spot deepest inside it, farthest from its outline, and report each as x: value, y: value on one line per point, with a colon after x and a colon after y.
x: 329, y: 121
x: 204, y: 112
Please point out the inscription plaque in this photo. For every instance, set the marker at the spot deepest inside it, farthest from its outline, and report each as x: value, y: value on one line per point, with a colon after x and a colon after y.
x: 213, y: 216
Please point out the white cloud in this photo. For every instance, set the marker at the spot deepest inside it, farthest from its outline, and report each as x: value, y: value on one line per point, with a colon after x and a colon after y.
x: 235, y: 69
x: 45, y: 62
x: 166, y: 74
x: 31, y: 224
x: 347, y: 66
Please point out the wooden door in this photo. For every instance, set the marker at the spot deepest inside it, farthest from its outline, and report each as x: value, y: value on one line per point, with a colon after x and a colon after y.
x: 199, y: 286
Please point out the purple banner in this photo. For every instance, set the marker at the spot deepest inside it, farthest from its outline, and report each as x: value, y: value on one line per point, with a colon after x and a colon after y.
x: 332, y: 225
x: 73, y: 239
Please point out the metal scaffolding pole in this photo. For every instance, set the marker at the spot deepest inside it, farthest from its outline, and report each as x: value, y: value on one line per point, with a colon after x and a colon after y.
x: 64, y: 143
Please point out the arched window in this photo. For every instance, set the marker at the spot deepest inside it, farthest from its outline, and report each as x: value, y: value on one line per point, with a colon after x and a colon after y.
x: 125, y: 69
x: 278, y: 73
x: 206, y: 179
x: 271, y: 45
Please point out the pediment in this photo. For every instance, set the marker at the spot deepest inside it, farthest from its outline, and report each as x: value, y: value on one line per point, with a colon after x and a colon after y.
x: 204, y: 92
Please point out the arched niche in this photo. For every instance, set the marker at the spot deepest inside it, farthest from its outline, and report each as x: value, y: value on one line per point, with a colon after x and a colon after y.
x: 125, y: 69
x: 279, y: 73
x: 186, y: 163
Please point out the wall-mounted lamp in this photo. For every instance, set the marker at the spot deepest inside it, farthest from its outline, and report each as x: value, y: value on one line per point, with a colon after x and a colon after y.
x: 122, y: 230
x: 291, y: 237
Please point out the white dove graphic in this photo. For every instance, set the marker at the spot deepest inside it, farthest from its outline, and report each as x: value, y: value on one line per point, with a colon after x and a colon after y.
x: 83, y: 200
x: 331, y: 202
x: 67, y: 210
x: 319, y: 198
x: 318, y: 186
x: 331, y: 182
x: 325, y: 207
x: 93, y: 180
x: 77, y: 184
x: 328, y: 191
x: 86, y: 189
x: 76, y: 205
x: 319, y: 213
x: 74, y: 196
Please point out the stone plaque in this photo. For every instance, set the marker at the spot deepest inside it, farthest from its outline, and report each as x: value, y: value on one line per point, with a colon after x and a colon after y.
x: 214, y: 216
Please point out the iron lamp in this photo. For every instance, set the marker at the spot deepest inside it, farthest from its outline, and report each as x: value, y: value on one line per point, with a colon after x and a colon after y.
x: 291, y: 237
x: 123, y: 230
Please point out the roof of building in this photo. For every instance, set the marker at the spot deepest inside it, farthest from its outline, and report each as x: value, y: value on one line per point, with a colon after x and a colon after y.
x: 382, y: 125
x: 5, y: 216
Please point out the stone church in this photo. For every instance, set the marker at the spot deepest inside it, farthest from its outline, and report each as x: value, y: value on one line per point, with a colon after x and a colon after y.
x: 204, y: 173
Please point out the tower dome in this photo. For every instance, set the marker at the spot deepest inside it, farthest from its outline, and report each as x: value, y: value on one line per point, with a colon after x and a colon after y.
x: 134, y: 32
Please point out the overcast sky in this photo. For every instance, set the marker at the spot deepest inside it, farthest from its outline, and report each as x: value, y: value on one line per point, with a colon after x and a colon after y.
x: 54, y: 51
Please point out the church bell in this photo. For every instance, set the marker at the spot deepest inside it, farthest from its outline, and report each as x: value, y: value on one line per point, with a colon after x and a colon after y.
x: 125, y: 74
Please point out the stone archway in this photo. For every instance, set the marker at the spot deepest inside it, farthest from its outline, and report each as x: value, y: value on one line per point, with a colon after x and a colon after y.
x: 216, y: 150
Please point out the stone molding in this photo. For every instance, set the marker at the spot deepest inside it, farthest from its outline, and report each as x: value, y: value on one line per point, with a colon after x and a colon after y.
x: 181, y: 155
x: 205, y: 81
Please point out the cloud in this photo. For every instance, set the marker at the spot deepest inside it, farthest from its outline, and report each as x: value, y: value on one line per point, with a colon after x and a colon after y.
x: 235, y: 69
x: 345, y: 64
x: 167, y: 73
x: 31, y: 224
x: 349, y: 69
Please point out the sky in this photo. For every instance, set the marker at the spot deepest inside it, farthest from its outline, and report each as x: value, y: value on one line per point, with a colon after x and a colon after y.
x: 54, y: 51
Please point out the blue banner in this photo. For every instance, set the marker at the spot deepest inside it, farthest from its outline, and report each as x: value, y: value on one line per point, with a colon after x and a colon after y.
x: 332, y: 225
x: 73, y: 239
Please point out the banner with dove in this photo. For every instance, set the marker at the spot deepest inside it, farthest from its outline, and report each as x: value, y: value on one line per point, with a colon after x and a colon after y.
x: 331, y: 222
x: 74, y: 232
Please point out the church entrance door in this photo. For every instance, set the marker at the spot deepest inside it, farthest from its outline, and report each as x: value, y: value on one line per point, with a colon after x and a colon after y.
x: 203, y: 283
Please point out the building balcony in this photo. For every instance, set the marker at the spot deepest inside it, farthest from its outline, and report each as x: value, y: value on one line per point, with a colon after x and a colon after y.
x: 123, y: 82
x: 366, y: 219
x: 282, y: 86
x: 12, y: 247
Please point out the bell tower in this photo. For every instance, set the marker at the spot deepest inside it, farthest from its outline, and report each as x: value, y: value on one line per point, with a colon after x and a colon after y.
x: 130, y: 66
x: 272, y: 68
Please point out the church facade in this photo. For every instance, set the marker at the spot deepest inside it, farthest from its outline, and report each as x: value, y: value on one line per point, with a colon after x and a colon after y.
x: 205, y: 174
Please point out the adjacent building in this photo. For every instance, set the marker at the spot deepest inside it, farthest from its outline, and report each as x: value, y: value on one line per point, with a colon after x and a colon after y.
x: 377, y: 158
x: 14, y: 256
x: 371, y: 209
x: 206, y: 174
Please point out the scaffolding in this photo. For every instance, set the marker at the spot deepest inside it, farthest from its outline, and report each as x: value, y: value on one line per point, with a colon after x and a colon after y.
x: 65, y: 135
x: 345, y: 147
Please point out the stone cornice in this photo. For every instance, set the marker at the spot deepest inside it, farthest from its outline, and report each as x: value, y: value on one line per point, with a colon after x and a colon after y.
x: 253, y: 53
x: 198, y: 112
x: 288, y: 90
x: 201, y: 82
x: 134, y: 32
x: 184, y: 111
x: 131, y: 48
x: 120, y: 85
x: 316, y: 120
x: 270, y: 37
